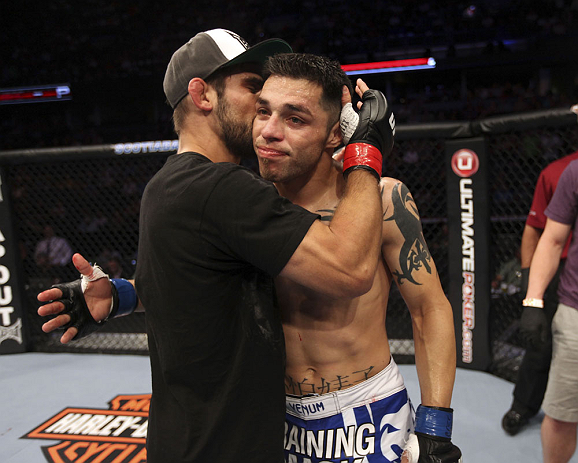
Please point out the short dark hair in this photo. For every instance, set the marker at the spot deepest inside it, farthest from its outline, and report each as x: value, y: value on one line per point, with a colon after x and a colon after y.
x: 324, y: 71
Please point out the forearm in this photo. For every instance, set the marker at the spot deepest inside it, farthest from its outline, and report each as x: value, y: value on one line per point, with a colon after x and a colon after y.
x: 356, y: 225
x: 530, y: 238
x: 544, y: 266
x: 534, y: 326
x: 357, y: 220
x: 435, y: 355
x: 340, y: 260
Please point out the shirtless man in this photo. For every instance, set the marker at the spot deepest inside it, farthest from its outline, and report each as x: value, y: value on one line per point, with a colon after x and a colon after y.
x: 338, y: 348
x: 345, y: 396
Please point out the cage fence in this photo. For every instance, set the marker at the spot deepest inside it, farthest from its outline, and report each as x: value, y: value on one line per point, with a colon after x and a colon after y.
x: 91, y: 202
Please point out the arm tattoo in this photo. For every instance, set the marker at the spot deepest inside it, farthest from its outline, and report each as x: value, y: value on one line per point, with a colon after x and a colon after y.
x: 414, y: 252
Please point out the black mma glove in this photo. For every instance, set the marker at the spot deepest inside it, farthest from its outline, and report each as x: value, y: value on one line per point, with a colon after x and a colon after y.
x: 534, y: 327
x: 75, y: 307
x: 124, y: 302
x: 434, y: 449
x: 433, y: 430
x: 373, y: 137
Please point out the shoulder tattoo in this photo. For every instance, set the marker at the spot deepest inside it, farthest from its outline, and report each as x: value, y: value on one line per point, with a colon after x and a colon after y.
x: 414, y: 253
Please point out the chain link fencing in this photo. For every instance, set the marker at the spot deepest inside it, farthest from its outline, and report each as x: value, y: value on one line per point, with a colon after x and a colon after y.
x: 80, y: 204
x: 90, y: 197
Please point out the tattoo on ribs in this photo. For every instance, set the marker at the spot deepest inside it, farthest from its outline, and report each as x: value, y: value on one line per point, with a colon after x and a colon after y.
x: 339, y: 382
x: 414, y: 252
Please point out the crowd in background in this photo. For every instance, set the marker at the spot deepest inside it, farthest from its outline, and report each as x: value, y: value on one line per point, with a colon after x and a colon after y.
x: 89, y: 206
x: 92, y: 40
x: 113, y: 56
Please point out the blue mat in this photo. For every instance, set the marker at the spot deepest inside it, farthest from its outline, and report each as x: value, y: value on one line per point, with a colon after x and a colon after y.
x: 37, y: 388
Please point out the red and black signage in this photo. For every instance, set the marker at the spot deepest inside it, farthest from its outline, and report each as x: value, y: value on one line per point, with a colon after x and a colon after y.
x: 37, y: 94
x: 113, y: 435
x: 469, y: 231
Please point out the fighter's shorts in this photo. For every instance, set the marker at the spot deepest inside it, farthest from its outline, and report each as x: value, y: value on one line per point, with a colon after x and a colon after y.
x: 366, y: 423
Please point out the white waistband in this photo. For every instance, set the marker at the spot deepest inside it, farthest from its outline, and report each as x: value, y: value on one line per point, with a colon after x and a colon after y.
x: 384, y: 384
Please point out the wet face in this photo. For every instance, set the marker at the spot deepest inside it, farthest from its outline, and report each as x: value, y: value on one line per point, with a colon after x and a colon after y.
x: 290, y: 130
x: 236, y: 110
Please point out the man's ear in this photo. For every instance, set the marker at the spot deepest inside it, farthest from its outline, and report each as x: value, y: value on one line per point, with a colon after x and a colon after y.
x: 199, y: 92
x: 335, y: 137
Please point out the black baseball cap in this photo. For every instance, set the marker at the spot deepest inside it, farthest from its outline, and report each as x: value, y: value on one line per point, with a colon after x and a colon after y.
x: 209, y: 51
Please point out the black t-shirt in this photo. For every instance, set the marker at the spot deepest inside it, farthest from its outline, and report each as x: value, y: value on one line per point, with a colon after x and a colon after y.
x: 212, y: 236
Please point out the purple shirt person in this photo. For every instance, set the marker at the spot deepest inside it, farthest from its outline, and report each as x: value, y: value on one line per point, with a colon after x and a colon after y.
x: 561, y: 400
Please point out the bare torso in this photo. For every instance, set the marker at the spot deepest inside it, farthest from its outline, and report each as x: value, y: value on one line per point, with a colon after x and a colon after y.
x: 333, y: 344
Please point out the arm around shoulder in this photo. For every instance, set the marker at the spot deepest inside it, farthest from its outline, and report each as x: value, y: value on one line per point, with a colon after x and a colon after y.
x: 340, y: 260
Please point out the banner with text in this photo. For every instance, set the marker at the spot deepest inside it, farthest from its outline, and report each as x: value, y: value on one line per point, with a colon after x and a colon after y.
x: 12, y: 337
x: 469, y: 266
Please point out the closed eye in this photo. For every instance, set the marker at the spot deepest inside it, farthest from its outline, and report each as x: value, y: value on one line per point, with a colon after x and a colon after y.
x: 254, y: 85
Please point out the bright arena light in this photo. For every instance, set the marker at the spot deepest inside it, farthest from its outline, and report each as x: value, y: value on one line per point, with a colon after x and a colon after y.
x: 389, y: 66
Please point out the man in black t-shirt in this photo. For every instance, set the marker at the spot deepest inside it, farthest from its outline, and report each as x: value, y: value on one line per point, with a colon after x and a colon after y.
x: 212, y: 236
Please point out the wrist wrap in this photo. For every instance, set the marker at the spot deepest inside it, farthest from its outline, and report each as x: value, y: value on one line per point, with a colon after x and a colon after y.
x: 124, y: 298
x: 362, y: 155
x: 348, y: 122
x: 434, y: 421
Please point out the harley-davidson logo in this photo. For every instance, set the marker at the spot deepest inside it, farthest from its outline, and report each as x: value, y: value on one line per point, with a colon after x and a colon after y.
x: 113, y: 435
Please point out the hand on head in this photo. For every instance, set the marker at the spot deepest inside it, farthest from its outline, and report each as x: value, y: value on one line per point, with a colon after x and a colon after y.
x: 360, y: 88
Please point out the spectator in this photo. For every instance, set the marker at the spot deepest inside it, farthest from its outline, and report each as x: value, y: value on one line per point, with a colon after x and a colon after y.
x: 561, y: 399
x: 53, y: 254
x: 533, y: 373
x: 115, y: 269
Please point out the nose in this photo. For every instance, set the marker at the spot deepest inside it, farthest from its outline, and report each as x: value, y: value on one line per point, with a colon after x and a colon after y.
x: 272, y: 129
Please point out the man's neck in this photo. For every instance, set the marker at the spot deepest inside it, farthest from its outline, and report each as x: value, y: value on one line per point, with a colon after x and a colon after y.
x: 309, y: 191
x: 206, y: 142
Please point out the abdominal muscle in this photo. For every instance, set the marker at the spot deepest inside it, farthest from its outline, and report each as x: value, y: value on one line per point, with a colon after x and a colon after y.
x: 333, y: 344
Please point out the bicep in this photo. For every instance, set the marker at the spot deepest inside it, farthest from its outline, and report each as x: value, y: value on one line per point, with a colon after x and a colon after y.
x: 405, y: 250
x: 418, y: 280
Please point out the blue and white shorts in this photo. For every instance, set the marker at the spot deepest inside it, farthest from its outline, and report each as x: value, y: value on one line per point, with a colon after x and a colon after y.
x: 366, y: 423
